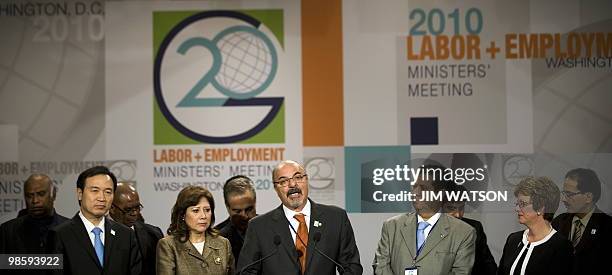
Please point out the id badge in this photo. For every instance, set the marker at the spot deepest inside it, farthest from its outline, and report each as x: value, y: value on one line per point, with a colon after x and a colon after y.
x: 411, y: 271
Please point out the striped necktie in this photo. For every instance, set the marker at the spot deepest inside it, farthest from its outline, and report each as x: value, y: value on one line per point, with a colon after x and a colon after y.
x: 577, y: 232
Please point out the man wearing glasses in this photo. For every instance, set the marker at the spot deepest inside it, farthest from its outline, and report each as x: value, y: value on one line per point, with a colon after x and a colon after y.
x: 300, y: 236
x: 126, y: 210
x: 589, y: 229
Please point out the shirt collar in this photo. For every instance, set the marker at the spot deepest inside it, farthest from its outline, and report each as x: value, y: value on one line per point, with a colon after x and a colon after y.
x: 432, y: 221
x: 290, y: 213
x: 90, y: 226
x: 584, y: 220
x: 545, y: 239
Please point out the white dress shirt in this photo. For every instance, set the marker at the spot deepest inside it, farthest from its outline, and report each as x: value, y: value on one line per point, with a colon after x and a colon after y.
x: 432, y: 221
x: 90, y: 226
x: 294, y: 224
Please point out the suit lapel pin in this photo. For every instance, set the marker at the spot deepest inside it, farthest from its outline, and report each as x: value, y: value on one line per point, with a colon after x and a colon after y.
x: 593, y: 231
x: 218, y: 260
x: 317, y: 224
x: 113, y: 232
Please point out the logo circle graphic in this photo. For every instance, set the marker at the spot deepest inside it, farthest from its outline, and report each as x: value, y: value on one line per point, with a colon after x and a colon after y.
x: 320, y: 172
x: 240, y: 88
x: 516, y: 168
x: 244, y: 65
x: 124, y: 170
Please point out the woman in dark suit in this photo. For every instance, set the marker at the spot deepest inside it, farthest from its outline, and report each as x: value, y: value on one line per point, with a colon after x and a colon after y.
x: 192, y: 245
x: 539, y: 249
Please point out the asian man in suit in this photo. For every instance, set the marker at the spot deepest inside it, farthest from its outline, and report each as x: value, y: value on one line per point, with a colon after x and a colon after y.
x: 426, y: 240
x: 300, y: 236
x: 91, y: 243
x: 587, y: 227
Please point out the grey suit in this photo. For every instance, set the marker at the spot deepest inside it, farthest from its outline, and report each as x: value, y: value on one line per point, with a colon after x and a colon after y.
x: 449, y: 248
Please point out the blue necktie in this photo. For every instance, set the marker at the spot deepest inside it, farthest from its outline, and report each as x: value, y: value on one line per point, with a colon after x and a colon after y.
x: 421, y: 235
x: 98, y: 246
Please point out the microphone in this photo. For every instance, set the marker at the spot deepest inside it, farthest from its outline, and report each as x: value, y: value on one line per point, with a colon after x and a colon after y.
x: 277, y: 241
x: 317, y: 238
x: 300, y: 254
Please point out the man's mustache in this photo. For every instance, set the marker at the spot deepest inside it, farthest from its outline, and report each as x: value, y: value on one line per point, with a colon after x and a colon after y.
x: 294, y: 190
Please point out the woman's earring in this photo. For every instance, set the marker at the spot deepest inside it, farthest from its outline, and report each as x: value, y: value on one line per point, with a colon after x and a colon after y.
x: 539, y: 213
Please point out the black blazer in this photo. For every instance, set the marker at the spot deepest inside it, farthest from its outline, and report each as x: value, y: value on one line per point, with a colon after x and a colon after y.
x: 593, y: 251
x: 147, y: 236
x: 121, y: 255
x: 337, y: 241
x: 551, y: 257
x: 484, y: 263
x: 227, y: 230
x: 27, y: 235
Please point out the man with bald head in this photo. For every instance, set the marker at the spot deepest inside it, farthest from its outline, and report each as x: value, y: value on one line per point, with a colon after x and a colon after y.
x: 300, y: 236
x: 28, y: 233
x: 126, y: 210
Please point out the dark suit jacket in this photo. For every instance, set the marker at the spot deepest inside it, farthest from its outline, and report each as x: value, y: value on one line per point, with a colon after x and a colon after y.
x: 593, y: 252
x: 337, y: 241
x: 147, y: 236
x: 121, y: 255
x: 484, y: 263
x: 227, y: 230
x: 27, y: 235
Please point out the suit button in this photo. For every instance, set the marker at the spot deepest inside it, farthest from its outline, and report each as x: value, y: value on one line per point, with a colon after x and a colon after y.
x: 203, y: 264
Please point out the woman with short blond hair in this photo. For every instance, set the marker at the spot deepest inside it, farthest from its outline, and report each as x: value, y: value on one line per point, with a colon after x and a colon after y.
x: 539, y: 249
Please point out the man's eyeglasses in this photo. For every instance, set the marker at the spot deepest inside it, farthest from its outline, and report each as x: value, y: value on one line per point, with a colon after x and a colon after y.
x: 135, y: 209
x: 569, y: 194
x: 522, y: 204
x: 297, y: 178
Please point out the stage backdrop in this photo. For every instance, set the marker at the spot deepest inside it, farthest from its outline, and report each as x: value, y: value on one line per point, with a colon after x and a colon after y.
x: 170, y: 94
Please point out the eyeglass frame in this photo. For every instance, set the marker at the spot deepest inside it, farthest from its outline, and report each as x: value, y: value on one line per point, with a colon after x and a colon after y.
x: 521, y: 204
x: 285, y: 181
x: 135, y: 209
x: 571, y: 194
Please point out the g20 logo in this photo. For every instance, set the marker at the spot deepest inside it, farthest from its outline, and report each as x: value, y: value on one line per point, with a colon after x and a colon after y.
x: 210, y: 69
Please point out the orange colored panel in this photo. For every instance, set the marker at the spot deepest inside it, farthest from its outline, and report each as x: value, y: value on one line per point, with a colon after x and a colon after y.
x: 322, y: 86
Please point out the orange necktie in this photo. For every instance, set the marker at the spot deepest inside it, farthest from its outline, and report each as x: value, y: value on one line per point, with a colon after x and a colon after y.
x: 302, y: 240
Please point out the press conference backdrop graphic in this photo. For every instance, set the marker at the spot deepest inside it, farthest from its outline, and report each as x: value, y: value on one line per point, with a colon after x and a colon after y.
x: 51, y: 95
x: 239, y: 64
x: 174, y: 93
x: 214, y: 88
x: 449, y: 62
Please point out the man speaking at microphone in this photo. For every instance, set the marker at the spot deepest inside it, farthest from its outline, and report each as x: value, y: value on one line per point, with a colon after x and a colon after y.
x: 314, y: 238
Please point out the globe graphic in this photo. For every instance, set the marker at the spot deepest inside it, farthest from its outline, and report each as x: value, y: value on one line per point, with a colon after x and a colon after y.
x: 573, y: 118
x: 45, y: 86
x: 52, y: 90
x: 246, y: 62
